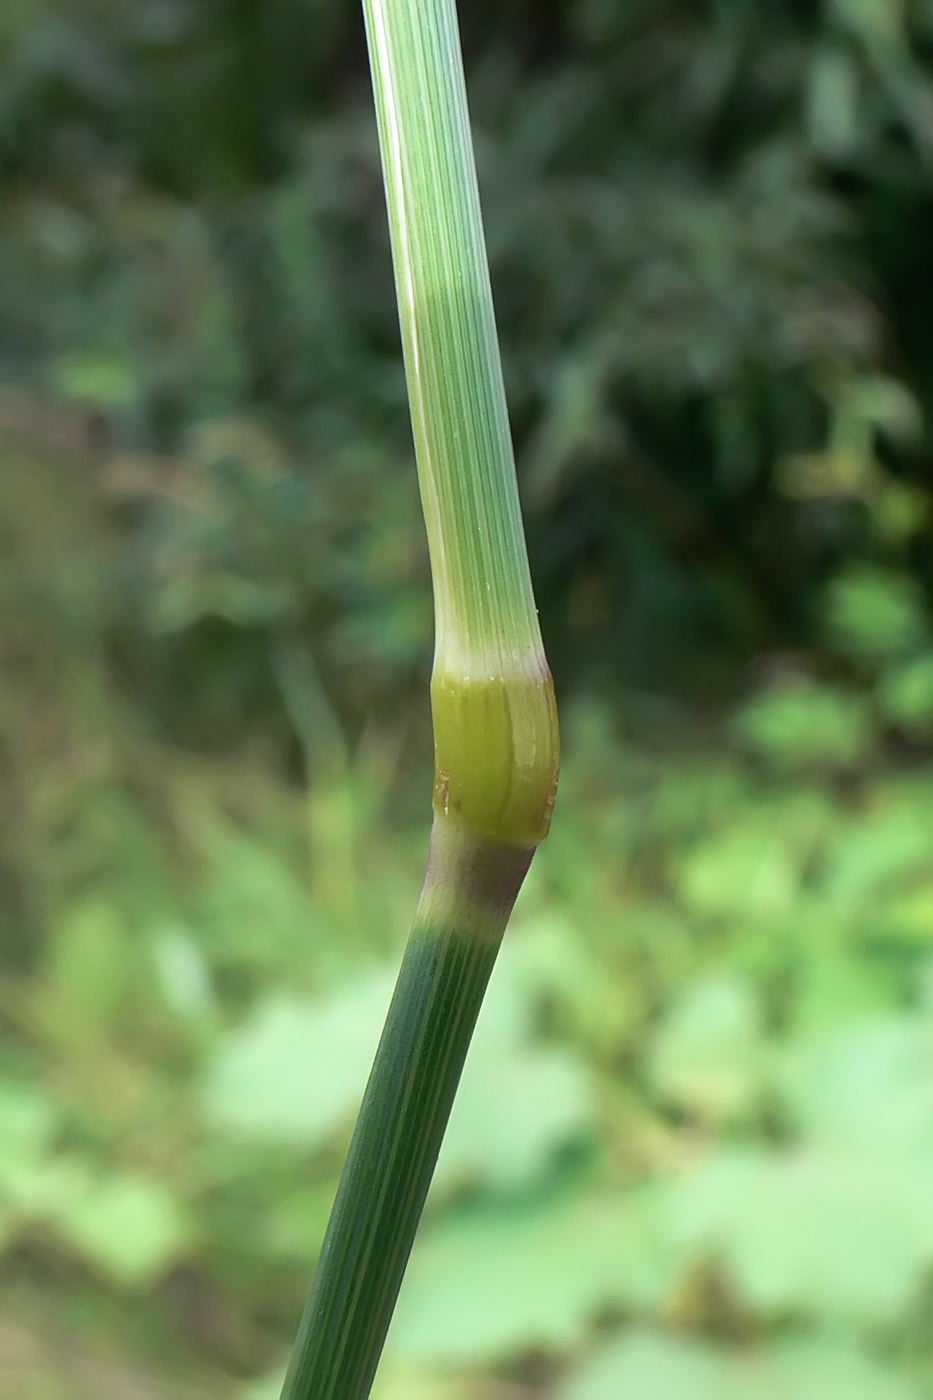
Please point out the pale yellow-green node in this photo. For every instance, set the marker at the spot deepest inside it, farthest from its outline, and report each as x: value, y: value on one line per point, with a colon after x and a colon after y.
x: 497, y: 754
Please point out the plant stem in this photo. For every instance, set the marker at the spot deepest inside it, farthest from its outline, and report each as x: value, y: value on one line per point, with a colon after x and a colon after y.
x: 484, y: 606
x: 495, y: 723
x: 468, y: 895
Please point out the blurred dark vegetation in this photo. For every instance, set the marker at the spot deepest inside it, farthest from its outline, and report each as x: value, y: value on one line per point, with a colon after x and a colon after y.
x: 694, y: 1154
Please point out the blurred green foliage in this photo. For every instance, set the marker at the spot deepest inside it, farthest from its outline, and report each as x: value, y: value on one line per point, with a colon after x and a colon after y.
x: 693, y: 1150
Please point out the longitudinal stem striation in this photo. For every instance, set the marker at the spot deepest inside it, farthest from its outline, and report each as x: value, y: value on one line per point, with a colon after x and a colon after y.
x: 467, y: 899
x: 495, y: 721
x: 495, y: 724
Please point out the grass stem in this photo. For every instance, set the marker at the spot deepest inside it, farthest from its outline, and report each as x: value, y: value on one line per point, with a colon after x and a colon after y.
x: 495, y: 723
x: 468, y: 895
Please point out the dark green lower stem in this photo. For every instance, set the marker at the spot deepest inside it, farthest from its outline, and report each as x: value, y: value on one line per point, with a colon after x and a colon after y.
x: 469, y: 892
